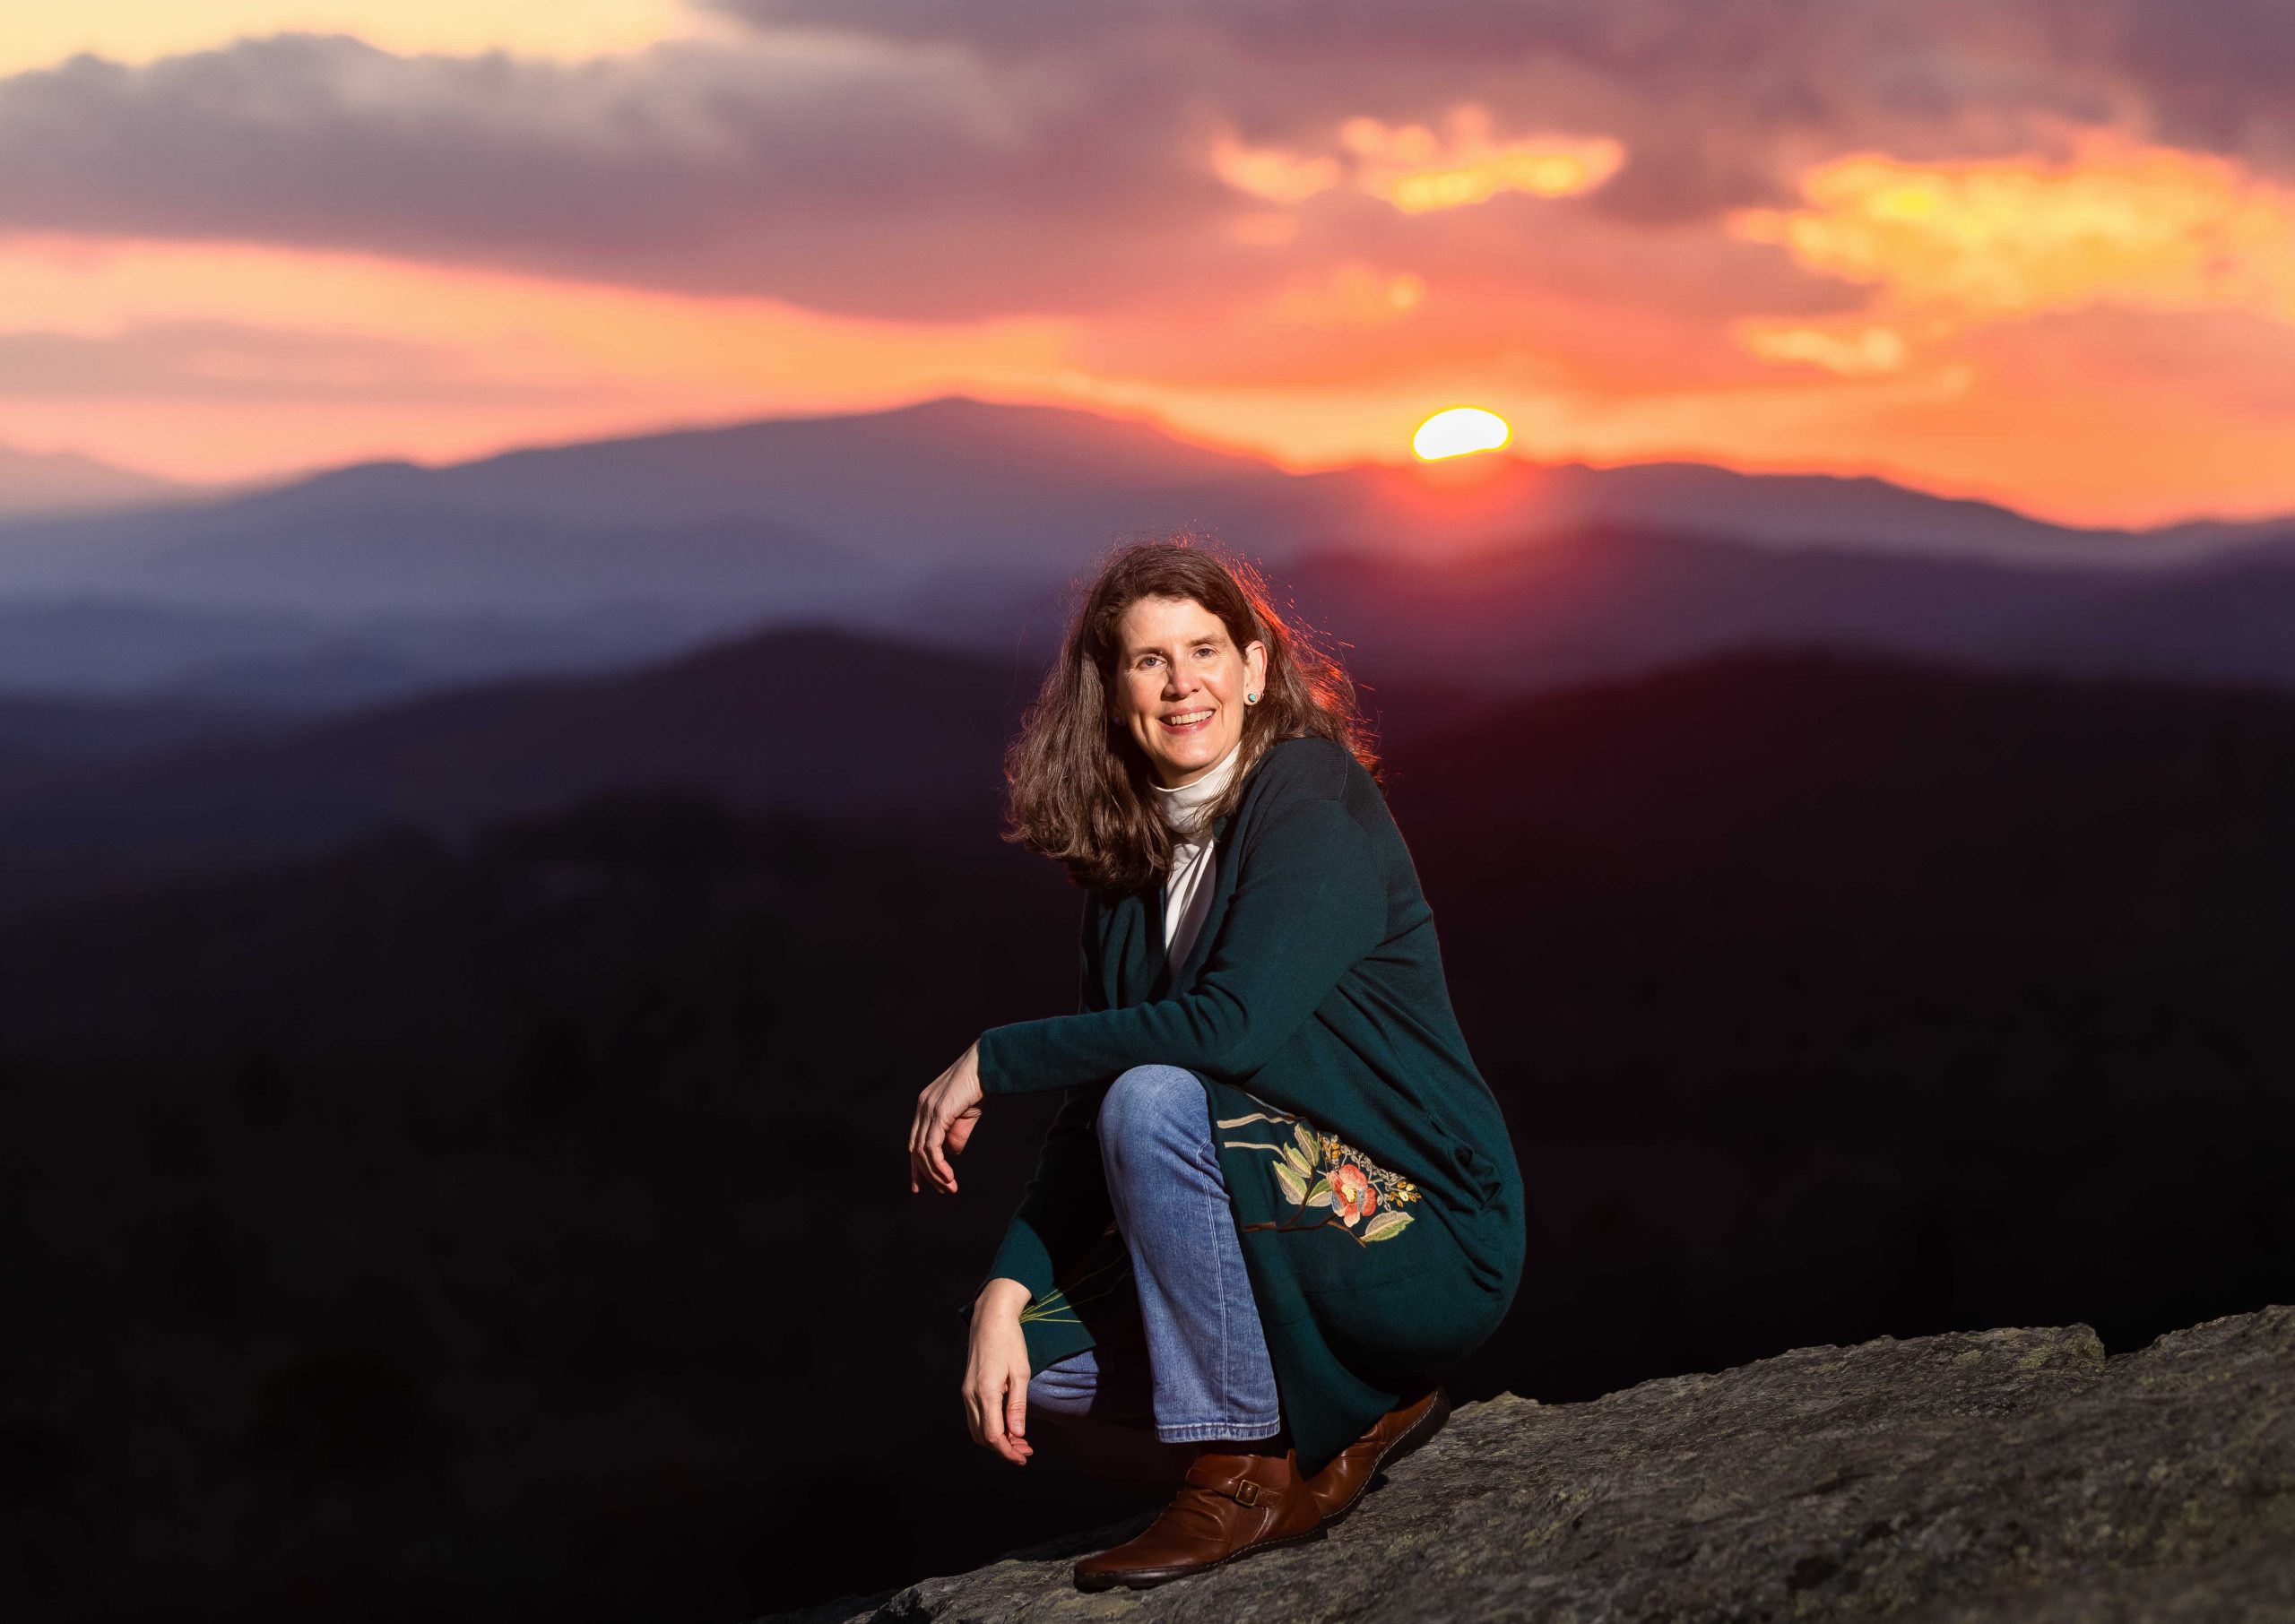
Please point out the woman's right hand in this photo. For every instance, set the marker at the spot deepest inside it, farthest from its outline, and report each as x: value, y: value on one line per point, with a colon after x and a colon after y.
x: 996, y: 1373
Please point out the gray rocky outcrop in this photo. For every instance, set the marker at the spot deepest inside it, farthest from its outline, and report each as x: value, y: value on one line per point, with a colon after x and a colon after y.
x: 1989, y: 1475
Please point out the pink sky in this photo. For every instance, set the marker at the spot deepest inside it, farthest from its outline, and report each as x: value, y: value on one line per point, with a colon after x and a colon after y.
x: 2024, y: 250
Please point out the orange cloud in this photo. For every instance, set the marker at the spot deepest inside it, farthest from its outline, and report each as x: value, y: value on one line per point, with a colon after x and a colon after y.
x: 1852, y: 352
x: 1352, y: 295
x: 1272, y: 173
x: 1419, y: 172
x: 1951, y: 247
x: 1409, y: 167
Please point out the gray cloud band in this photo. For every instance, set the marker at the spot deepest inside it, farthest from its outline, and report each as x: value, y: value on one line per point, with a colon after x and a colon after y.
x: 954, y: 159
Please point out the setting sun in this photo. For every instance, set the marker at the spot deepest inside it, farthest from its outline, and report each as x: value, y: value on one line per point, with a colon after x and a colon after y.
x: 1459, y: 431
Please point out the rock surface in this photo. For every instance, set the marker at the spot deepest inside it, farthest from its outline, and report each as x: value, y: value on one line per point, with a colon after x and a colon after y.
x: 1988, y: 1476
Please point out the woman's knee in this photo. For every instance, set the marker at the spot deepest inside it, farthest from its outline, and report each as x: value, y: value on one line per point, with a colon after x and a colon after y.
x: 1149, y: 1099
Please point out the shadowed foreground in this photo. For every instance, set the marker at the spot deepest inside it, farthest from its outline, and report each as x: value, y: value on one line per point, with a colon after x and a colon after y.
x: 1984, y: 1475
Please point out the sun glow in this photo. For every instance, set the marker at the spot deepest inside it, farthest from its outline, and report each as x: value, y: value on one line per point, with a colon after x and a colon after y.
x: 1459, y: 432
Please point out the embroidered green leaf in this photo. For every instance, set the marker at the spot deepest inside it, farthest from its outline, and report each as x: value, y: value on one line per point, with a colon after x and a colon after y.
x: 1293, y: 1182
x: 1308, y: 1147
x: 1385, y: 1226
x: 1320, y: 1193
x: 1298, y: 1163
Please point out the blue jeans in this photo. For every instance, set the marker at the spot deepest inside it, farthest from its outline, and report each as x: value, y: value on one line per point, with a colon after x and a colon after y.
x: 1186, y: 1348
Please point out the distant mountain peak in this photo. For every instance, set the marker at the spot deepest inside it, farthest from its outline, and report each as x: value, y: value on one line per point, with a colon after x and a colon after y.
x: 40, y: 483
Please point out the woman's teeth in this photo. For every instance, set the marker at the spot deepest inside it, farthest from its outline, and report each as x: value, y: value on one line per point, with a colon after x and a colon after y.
x: 1188, y: 722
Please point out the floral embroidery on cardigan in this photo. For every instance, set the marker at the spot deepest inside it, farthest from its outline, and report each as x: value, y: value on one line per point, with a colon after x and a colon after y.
x: 1317, y: 1170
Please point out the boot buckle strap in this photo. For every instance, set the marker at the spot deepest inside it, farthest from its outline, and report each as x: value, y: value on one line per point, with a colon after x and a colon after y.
x: 1245, y: 1492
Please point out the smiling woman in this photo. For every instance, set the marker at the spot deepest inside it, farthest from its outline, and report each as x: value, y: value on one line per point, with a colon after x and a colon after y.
x: 1278, y: 1199
x: 1184, y: 687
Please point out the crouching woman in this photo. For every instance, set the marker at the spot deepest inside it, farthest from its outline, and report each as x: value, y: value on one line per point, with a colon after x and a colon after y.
x: 1278, y: 1199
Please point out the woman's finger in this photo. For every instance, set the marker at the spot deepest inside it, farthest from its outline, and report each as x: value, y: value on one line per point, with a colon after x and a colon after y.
x: 991, y: 1419
x: 945, y: 1175
x: 1016, y: 1412
x: 920, y: 1140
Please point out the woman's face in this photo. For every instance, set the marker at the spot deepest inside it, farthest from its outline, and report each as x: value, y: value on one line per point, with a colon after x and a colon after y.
x: 1179, y: 666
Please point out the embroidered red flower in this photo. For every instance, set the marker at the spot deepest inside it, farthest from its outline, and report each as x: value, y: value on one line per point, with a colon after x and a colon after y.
x: 1353, y: 1197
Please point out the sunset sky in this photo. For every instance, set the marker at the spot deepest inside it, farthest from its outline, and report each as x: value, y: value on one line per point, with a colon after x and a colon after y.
x: 2031, y: 250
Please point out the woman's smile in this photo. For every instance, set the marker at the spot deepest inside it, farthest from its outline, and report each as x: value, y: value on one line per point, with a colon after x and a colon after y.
x: 1181, y: 685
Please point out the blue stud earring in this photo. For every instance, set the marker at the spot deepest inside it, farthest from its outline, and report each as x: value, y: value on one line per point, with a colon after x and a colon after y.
x: 1250, y: 699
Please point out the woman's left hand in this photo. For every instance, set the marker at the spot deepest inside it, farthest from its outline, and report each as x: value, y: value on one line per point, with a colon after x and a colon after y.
x: 944, y: 1114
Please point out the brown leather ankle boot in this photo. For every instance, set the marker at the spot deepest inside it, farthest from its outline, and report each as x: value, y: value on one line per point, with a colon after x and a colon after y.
x: 1228, y: 1506
x: 1342, y: 1480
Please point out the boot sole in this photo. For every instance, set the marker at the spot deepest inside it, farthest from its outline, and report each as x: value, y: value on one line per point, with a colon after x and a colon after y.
x: 1425, y: 1427
x: 1148, y: 1578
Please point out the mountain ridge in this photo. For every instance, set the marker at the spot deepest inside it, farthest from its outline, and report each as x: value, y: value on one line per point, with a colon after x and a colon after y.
x: 899, y: 493
x: 41, y: 484
x: 954, y: 519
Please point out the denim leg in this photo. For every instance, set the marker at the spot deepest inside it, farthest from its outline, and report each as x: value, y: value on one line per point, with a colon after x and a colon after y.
x: 1208, y: 1355
x: 1099, y: 1405
x: 1108, y: 1383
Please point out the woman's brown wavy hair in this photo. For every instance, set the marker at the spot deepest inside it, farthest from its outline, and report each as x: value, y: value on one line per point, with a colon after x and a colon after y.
x: 1077, y: 784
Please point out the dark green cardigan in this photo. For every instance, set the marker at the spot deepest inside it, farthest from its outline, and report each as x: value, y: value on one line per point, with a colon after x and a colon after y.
x: 1374, y: 1188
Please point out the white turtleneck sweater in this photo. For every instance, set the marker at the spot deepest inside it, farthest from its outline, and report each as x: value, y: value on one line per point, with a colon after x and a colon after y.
x: 1186, y: 897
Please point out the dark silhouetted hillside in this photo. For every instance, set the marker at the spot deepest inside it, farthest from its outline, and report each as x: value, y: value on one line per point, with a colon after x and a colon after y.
x: 138, y: 653
x: 821, y: 720
x: 512, y: 1227
x: 1606, y: 599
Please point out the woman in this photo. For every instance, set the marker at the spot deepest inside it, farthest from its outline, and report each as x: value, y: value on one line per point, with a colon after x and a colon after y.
x: 1278, y: 1199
